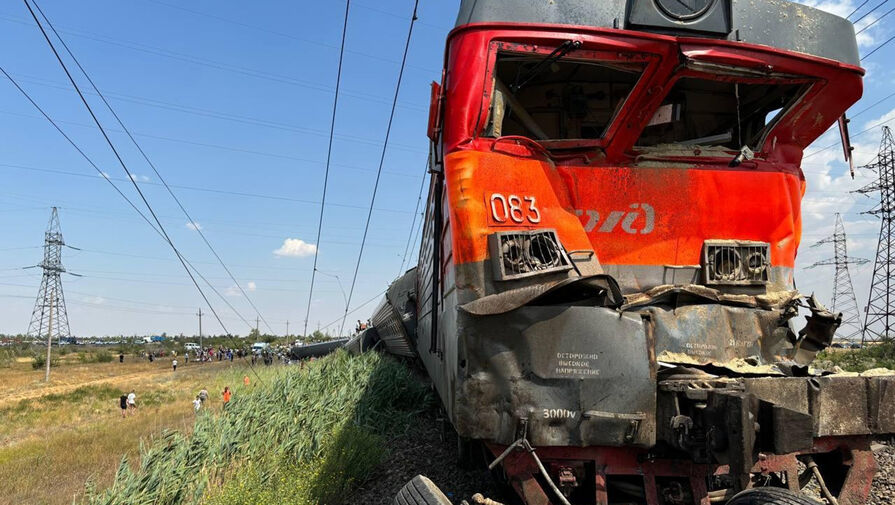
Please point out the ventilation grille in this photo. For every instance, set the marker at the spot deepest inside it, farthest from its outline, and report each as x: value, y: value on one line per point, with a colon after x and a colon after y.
x: 524, y: 253
x: 736, y: 262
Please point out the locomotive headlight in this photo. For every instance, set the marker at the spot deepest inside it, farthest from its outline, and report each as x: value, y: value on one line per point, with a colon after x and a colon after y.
x: 736, y: 262
x: 519, y: 254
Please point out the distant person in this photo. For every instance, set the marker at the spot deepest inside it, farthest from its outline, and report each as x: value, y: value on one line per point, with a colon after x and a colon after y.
x: 151, y: 358
x: 203, y: 395
x: 246, y: 381
x: 132, y: 401
x: 121, y: 357
x: 122, y: 402
x: 174, y: 363
x: 226, y: 395
x: 197, y: 404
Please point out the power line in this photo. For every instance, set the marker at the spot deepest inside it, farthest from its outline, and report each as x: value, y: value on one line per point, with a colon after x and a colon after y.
x: 205, y: 189
x: 121, y: 161
x: 118, y: 190
x: 416, y: 210
x: 388, y: 130
x: 254, y: 152
x: 229, y: 116
x: 198, y: 229
x: 857, y: 9
x: 875, y: 21
x: 869, y: 12
x: 217, y: 65
x: 878, y: 48
x: 862, y: 132
x: 329, y: 152
x: 293, y: 37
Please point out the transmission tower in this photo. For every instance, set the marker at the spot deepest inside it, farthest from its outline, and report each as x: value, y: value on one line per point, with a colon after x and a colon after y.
x: 49, y: 318
x: 843, y: 292
x: 879, y: 319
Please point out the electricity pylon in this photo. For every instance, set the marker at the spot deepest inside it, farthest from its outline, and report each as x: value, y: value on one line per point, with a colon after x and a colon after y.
x: 879, y: 319
x: 843, y: 291
x: 49, y: 318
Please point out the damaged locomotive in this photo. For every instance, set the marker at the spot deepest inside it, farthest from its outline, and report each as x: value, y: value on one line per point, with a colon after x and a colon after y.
x: 605, y: 293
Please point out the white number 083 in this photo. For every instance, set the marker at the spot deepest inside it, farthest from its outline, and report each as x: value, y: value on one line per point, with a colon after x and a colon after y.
x: 514, y: 208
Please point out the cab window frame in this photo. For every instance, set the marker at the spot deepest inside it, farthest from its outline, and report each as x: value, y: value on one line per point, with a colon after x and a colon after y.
x: 590, y: 53
x: 808, y: 85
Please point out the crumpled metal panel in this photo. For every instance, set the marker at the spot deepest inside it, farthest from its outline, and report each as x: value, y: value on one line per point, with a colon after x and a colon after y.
x: 840, y: 406
x: 789, y: 392
x: 395, y: 317
x: 882, y: 403
x: 575, y: 375
x: 717, y: 334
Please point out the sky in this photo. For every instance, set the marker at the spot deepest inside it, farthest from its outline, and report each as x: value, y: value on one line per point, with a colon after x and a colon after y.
x: 232, y: 102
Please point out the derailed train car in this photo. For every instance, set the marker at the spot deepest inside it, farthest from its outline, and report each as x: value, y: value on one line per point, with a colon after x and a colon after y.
x: 605, y: 293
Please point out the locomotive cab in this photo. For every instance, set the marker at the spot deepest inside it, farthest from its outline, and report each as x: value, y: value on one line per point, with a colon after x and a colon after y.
x: 606, y: 270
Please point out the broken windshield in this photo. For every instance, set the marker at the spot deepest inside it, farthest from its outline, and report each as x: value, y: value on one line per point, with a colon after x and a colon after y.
x: 565, y: 99
x: 718, y: 113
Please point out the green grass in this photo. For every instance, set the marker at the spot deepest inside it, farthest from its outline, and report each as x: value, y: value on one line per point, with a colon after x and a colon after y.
x: 859, y: 360
x: 303, y: 436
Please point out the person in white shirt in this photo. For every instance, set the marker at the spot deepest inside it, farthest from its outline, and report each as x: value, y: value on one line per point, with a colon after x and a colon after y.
x: 174, y: 362
x: 132, y: 401
x: 197, y: 404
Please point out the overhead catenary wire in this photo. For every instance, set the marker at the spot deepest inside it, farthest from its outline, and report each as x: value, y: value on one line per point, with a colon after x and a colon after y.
x: 857, y: 9
x: 122, y: 163
x: 875, y: 21
x: 869, y: 12
x: 151, y: 165
x: 388, y: 130
x: 410, y: 235
x: 329, y: 153
x: 877, y: 48
x: 117, y: 189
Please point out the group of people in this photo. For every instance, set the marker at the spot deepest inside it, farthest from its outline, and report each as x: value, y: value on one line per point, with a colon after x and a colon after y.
x: 128, y: 402
x: 226, y: 394
x: 209, y: 354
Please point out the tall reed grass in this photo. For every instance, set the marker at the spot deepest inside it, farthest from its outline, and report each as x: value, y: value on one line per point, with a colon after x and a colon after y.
x: 304, y: 436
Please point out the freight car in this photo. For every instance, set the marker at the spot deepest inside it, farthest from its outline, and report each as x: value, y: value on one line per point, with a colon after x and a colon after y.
x: 605, y: 293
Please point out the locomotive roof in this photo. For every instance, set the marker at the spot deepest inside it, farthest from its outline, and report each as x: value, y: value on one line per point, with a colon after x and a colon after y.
x: 776, y: 23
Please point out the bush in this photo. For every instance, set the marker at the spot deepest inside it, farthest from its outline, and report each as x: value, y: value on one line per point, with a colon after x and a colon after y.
x: 101, y: 356
x: 39, y: 360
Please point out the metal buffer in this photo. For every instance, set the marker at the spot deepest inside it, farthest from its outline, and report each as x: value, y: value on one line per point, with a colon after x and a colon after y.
x: 49, y: 318
x: 879, y: 319
x: 843, y: 291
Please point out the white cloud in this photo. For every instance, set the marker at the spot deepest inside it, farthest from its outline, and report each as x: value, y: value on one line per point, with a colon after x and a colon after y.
x: 193, y: 225
x: 295, y: 247
x: 139, y: 178
x: 94, y: 300
x: 234, y: 290
x: 105, y: 175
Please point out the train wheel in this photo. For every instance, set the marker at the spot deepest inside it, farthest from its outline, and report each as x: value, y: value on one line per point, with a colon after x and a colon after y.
x: 771, y: 496
x: 421, y: 491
